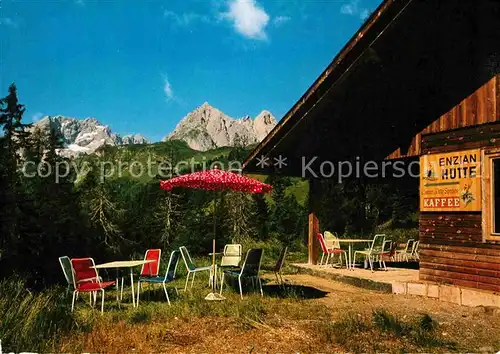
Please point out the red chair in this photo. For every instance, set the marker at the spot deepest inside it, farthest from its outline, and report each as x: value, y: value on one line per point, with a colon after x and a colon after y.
x: 329, y: 251
x: 86, y: 280
x: 151, y: 269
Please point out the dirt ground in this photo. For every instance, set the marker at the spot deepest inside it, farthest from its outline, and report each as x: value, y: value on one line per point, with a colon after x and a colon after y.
x: 298, y: 327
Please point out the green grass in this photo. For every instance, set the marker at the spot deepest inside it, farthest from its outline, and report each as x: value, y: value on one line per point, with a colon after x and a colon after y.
x: 383, y: 331
x: 32, y: 321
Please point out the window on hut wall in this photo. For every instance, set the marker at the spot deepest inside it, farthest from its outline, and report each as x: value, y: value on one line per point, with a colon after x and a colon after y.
x: 495, y: 200
x: 491, y: 188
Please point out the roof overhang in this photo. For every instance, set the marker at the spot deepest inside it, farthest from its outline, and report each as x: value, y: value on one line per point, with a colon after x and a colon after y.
x: 411, y: 62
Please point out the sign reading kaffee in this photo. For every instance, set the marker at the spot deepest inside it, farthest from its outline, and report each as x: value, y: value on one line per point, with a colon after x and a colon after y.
x: 451, y: 181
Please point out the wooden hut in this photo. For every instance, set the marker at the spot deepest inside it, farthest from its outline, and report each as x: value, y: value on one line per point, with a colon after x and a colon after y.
x: 419, y: 80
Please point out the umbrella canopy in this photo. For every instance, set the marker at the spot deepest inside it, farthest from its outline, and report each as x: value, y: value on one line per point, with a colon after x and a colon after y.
x: 217, y: 180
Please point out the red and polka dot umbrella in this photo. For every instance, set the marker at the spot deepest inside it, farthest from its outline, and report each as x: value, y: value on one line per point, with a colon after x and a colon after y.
x: 217, y: 180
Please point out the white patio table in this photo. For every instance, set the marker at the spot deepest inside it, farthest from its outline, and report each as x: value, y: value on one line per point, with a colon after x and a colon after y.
x: 350, y: 242
x: 122, y: 265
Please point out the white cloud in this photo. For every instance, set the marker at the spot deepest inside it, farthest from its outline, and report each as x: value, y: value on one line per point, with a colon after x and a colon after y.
x: 349, y: 9
x: 185, y: 19
x: 167, y: 89
x: 354, y: 8
x: 9, y: 22
x: 36, y: 117
x: 364, y: 14
x: 248, y: 18
x: 280, y: 20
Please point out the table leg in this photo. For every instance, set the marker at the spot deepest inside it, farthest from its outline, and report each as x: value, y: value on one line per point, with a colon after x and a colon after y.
x: 132, y: 285
x: 350, y: 257
x: 215, y: 278
x: 118, y: 287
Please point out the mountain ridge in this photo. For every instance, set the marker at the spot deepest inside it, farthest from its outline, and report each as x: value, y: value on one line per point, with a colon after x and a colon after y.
x: 204, y: 128
x: 207, y: 127
x: 85, y: 136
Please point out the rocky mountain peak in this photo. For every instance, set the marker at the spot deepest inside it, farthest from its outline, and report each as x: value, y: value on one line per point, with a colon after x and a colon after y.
x: 85, y: 136
x: 207, y: 128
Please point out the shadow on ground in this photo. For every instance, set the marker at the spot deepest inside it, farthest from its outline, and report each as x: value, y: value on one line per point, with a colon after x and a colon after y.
x: 293, y: 291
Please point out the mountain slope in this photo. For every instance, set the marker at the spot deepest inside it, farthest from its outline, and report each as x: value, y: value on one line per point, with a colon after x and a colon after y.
x: 208, y: 128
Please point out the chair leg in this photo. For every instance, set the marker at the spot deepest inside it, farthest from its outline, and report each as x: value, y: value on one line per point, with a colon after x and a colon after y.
x: 75, y: 294
x: 222, y: 283
x: 346, y: 262
x: 187, y: 280
x: 102, y: 302
x: 321, y: 261
x: 241, y: 289
x: 385, y: 267
x: 121, y: 292
x: 138, y: 291
x: 354, y: 261
x: 260, y: 285
x: 370, y: 261
x: 192, y: 281
x: 166, y: 293
x: 277, y: 280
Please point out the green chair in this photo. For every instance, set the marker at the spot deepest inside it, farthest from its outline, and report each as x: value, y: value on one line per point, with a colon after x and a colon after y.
x: 250, y: 270
x: 163, y: 280
x: 65, y: 263
x: 191, y: 267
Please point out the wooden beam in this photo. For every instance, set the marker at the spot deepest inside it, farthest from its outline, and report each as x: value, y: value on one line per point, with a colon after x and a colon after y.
x: 312, y: 241
x: 312, y: 245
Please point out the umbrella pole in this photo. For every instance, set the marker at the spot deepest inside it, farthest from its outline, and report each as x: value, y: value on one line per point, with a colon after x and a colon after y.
x: 214, y: 296
x: 214, y: 276
x: 213, y: 245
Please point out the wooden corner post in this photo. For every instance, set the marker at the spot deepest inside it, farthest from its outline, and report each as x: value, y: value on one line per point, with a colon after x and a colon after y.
x: 312, y: 241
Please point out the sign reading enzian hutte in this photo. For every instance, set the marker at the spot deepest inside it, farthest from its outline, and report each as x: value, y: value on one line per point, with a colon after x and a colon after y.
x: 451, y: 181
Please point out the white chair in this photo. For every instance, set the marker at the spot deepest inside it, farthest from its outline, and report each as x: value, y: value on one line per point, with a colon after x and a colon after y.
x: 386, y: 249
x: 403, y: 254
x: 330, y: 251
x: 414, y: 251
x: 231, y: 257
x: 374, y: 252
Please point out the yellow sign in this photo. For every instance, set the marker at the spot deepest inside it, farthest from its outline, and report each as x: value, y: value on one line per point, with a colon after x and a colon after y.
x: 451, y: 181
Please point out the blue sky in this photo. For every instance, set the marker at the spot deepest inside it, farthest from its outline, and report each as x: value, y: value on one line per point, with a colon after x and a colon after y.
x: 140, y: 66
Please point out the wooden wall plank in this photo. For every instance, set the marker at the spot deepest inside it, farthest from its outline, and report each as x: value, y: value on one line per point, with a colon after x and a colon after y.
x: 492, y: 273
x: 459, y: 282
x: 480, y: 248
x: 473, y: 265
x: 480, y: 107
x: 425, y: 255
x: 450, y: 274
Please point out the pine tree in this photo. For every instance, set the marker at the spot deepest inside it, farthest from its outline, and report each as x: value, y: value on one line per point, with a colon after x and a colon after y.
x: 238, y: 213
x: 14, y: 135
x: 52, y: 224
x: 103, y: 211
x: 261, y: 216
